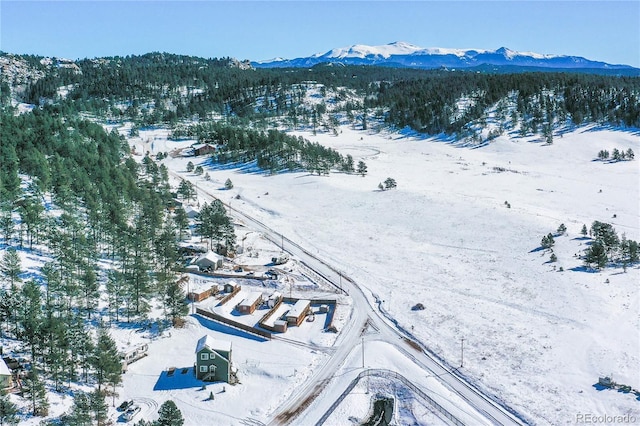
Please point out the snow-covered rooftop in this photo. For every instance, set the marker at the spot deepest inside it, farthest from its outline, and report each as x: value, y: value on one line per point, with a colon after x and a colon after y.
x: 299, y: 307
x: 209, y: 342
x: 4, y: 370
x: 251, y: 298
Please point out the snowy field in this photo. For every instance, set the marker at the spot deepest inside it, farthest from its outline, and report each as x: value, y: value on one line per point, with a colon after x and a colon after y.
x: 535, y: 337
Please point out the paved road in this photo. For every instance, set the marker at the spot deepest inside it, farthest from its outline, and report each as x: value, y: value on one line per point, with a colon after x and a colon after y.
x: 366, y: 313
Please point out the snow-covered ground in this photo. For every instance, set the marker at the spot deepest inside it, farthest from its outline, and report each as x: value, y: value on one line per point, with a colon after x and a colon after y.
x: 535, y: 336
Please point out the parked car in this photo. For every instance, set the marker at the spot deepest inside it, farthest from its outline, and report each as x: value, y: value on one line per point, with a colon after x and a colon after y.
x: 125, y: 405
x: 131, y: 413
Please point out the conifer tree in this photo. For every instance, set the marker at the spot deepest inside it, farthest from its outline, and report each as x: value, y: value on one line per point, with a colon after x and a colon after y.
x: 106, y: 361
x: 80, y: 412
x: 562, y: 229
x: 11, y: 267
x: 596, y: 255
x: 584, y: 231
x: 547, y: 241
x: 8, y: 412
x: 34, y: 388
x: 170, y: 415
x: 362, y: 168
x: 99, y: 408
x: 181, y: 221
x: 6, y: 221
x: 390, y: 183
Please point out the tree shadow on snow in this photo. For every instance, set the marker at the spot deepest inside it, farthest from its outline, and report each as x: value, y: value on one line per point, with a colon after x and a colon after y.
x: 583, y: 269
x: 537, y: 249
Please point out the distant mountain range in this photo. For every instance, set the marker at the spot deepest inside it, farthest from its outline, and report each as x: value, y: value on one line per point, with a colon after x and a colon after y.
x: 406, y: 55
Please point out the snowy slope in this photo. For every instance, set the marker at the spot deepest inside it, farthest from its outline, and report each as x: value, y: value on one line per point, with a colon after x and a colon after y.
x: 535, y: 337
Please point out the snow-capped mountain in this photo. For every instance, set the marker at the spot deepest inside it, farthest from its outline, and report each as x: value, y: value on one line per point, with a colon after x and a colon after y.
x: 402, y: 54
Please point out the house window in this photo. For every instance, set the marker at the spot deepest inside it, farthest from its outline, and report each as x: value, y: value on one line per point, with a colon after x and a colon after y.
x: 204, y: 356
x: 203, y: 369
x: 212, y: 356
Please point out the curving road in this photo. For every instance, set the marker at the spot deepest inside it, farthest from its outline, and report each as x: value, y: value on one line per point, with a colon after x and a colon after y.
x: 366, y: 313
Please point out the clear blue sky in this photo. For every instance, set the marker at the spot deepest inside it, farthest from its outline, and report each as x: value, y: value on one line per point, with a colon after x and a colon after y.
x: 600, y: 30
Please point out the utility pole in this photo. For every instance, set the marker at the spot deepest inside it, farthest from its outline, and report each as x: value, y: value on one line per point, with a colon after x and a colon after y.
x: 462, y: 352
x: 363, y: 352
x: 340, y: 275
x: 281, y: 242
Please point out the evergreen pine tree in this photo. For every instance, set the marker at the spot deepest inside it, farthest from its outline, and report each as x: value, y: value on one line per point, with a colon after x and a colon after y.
x: 11, y: 267
x: 630, y: 154
x: 596, y: 255
x: 106, y: 361
x: 547, y: 241
x: 362, y: 168
x: 6, y: 221
x: 584, y: 231
x: 170, y: 415
x: 390, y: 183
x: 181, y: 221
x: 99, y: 408
x: 80, y: 414
x: 562, y: 229
x: 228, y: 184
x: 175, y: 302
x: 34, y: 388
x: 8, y: 412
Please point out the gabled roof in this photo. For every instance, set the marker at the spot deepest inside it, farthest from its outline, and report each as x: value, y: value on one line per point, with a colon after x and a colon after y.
x: 300, y: 306
x: 202, y: 145
x: 213, y: 344
x: 4, y: 370
x: 209, y: 256
x: 251, y: 298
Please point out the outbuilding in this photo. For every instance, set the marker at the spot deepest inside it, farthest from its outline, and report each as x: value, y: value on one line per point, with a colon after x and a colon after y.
x: 296, y: 315
x: 209, y: 261
x: 250, y: 303
x: 198, y: 295
x: 231, y: 286
x: 280, y: 326
x: 203, y: 149
x: 6, y: 378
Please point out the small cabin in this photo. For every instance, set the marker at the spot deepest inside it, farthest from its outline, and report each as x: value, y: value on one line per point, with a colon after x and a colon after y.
x: 203, y: 149
x: 200, y: 295
x: 280, y: 326
x: 230, y: 287
x: 250, y: 303
x: 297, y: 314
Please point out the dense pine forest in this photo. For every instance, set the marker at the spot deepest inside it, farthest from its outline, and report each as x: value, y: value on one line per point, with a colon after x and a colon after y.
x: 70, y: 191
